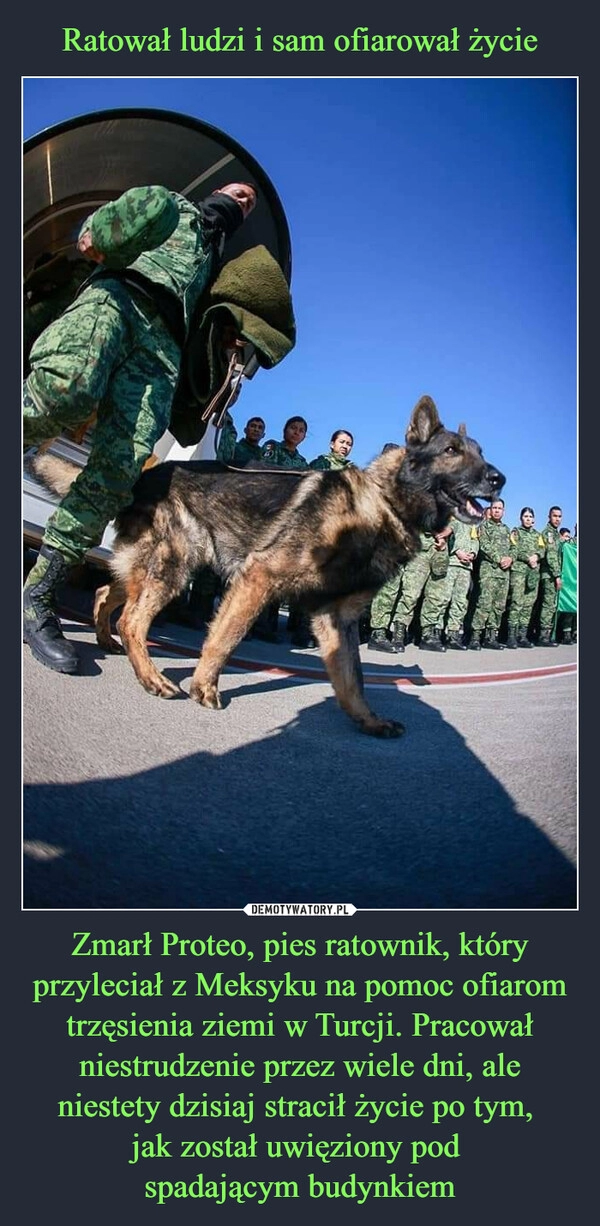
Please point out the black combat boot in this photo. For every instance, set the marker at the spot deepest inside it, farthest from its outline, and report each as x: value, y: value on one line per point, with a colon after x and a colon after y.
x: 545, y: 640
x: 454, y: 640
x: 522, y: 640
x: 490, y: 639
x: 301, y: 634
x: 511, y: 641
x: 379, y: 641
x: 567, y: 638
x: 475, y: 644
x: 41, y: 627
x: 398, y: 636
x: 431, y: 639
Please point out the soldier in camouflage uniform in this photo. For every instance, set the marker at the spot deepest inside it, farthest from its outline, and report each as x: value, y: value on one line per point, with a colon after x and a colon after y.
x: 550, y: 580
x: 340, y: 444
x: 383, y: 607
x: 446, y: 597
x: 248, y: 449
x: 529, y: 548
x: 116, y: 351
x: 495, y: 560
x: 285, y: 454
x: 432, y: 559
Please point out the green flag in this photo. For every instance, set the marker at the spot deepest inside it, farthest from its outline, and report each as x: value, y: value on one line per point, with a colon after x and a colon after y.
x: 567, y: 596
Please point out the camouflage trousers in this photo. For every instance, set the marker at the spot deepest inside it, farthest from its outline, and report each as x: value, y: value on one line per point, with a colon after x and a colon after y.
x: 109, y: 353
x: 523, y: 589
x: 450, y: 592
x: 548, y: 601
x: 416, y: 574
x: 491, y: 598
x: 384, y: 602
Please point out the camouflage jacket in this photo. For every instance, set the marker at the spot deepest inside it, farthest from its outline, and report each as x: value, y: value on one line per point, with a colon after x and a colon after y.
x: 464, y: 537
x: 526, y: 541
x: 551, y: 562
x: 331, y: 460
x: 230, y: 451
x: 161, y: 235
x: 276, y: 455
x: 494, y: 542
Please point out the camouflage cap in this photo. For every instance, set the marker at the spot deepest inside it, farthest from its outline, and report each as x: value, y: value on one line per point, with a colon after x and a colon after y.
x: 140, y: 220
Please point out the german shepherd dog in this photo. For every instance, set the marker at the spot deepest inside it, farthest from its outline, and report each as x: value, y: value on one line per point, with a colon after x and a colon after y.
x: 330, y: 538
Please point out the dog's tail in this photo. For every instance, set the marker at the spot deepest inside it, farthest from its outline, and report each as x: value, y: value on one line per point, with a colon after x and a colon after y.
x: 55, y: 474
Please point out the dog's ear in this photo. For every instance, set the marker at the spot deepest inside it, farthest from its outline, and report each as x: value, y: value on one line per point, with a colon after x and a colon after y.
x: 424, y: 421
x: 462, y: 430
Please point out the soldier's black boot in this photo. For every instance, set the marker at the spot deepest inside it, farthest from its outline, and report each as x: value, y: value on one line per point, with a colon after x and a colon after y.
x: 522, y: 640
x: 545, y: 640
x: 41, y: 627
x: 511, y: 641
x: 454, y: 640
x: 398, y: 636
x: 302, y: 635
x: 431, y: 639
x: 490, y: 639
x: 379, y: 641
x: 475, y: 644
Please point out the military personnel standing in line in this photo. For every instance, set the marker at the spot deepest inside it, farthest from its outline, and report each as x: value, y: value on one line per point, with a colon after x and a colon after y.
x: 446, y: 598
x: 566, y: 609
x: 248, y: 449
x: 495, y: 560
x: 117, y: 352
x: 529, y: 549
x: 383, y: 607
x: 432, y: 559
x: 550, y: 580
x: 383, y: 604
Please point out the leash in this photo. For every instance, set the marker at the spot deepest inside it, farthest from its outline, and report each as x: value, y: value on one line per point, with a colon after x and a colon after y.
x: 229, y: 390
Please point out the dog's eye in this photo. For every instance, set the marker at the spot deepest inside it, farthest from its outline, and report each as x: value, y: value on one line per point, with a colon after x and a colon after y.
x: 450, y: 450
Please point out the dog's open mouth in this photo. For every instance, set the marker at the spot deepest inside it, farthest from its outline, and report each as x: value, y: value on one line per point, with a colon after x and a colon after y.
x: 469, y: 511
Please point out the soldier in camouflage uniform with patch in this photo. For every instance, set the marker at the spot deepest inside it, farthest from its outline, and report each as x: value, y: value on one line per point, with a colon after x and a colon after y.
x: 285, y: 454
x: 495, y: 560
x: 116, y: 352
x: 550, y: 580
x: 529, y: 548
x: 446, y: 597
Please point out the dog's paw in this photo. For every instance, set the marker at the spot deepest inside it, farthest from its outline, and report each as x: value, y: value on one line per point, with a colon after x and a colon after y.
x: 161, y: 687
x: 111, y: 646
x: 207, y: 695
x: 385, y: 728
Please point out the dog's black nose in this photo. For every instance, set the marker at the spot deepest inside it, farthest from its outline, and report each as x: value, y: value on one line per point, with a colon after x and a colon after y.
x: 495, y: 478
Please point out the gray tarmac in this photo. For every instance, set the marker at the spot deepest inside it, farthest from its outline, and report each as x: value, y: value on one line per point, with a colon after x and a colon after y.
x: 134, y: 802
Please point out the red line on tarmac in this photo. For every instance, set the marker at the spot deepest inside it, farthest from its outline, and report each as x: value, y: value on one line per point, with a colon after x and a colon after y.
x: 399, y: 680
x: 414, y: 679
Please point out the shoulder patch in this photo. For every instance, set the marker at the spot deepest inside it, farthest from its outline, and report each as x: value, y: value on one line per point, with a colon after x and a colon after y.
x: 474, y: 533
x: 514, y: 536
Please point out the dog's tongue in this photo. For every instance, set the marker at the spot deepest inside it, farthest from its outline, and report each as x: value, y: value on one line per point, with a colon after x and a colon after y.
x: 474, y: 508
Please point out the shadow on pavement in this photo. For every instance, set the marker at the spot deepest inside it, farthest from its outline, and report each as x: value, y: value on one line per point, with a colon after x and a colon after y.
x: 313, y: 813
